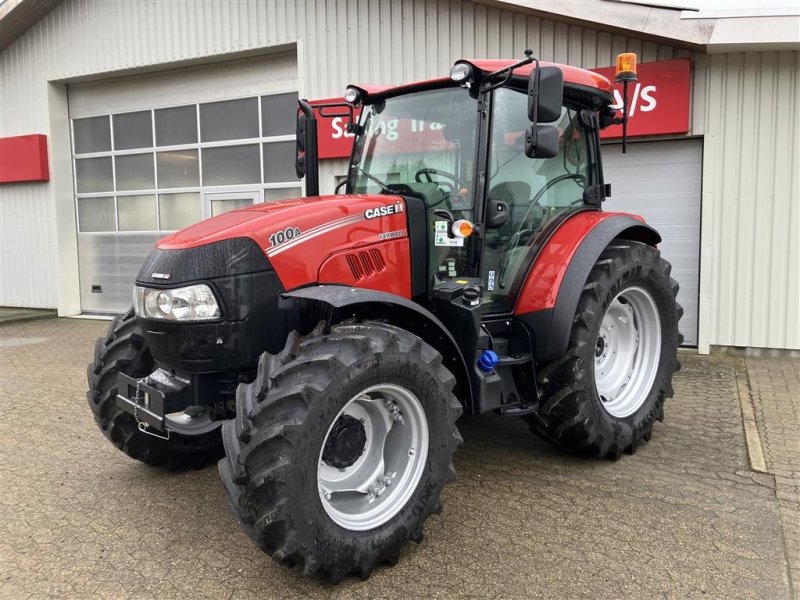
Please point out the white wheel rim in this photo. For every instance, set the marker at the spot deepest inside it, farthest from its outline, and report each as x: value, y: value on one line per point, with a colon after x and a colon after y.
x: 627, y: 352
x: 379, y: 483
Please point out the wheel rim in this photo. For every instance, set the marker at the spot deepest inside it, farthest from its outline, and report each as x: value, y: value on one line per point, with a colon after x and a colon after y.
x: 627, y: 351
x: 373, y: 457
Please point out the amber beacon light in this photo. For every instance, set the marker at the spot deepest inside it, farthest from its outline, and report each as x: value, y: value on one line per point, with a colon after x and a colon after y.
x: 625, y: 74
x: 626, y: 67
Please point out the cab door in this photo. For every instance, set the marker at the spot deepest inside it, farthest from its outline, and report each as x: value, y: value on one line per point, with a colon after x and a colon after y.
x: 538, y: 192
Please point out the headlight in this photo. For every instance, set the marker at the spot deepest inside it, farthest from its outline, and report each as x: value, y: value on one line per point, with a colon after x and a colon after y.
x: 191, y: 303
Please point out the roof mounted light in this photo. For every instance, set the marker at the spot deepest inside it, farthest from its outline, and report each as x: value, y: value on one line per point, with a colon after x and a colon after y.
x: 352, y: 96
x: 626, y: 67
x: 461, y: 72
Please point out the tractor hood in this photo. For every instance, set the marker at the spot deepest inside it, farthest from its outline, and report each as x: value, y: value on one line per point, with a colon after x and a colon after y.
x: 299, y: 235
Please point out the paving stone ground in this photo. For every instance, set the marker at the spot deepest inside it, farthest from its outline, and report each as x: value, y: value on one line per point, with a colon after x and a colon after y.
x: 683, y: 518
x: 775, y: 391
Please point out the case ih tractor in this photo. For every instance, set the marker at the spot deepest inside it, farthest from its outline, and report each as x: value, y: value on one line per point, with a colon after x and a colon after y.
x: 328, y: 344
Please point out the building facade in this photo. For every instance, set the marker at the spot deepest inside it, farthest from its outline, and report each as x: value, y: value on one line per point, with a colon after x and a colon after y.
x: 157, y: 114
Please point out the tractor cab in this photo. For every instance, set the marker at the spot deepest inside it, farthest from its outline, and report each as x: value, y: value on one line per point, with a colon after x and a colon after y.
x: 491, y: 159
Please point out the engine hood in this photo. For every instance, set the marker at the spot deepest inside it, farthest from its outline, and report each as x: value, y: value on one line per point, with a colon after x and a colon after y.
x: 298, y: 235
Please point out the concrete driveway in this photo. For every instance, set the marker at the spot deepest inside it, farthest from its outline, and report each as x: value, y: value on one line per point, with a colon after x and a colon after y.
x: 685, y: 517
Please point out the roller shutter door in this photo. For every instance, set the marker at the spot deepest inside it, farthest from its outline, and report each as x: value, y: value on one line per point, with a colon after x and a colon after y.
x: 662, y: 181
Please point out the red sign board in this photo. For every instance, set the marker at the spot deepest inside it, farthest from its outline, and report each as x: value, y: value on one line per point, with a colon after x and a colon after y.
x: 332, y: 136
x: 24, y: 158
x: 658, y: 104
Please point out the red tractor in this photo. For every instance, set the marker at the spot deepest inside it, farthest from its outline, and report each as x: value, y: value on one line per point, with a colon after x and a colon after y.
x: 327, y: 345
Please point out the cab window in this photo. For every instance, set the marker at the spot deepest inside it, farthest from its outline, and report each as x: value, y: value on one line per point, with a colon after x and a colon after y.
x: 536, y: 190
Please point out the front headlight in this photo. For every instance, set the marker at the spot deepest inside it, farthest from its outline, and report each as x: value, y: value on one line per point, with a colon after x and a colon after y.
x: 191, y: 303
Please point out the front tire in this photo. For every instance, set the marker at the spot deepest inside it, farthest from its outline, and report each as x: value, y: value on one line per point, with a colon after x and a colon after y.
x: 604, y: 395
x: 123, y: 350
x: 304, y: 474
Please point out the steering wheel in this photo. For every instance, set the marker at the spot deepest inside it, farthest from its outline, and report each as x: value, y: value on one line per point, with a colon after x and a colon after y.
x: 580, y: 179
x: 428, y: 171
x: 521, y: 230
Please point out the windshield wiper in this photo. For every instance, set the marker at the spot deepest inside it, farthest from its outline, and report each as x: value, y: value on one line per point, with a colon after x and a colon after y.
x: 384, y: 187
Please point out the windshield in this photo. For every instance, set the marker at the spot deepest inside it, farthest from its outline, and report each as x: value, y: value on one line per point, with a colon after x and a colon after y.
x: 424, y: 140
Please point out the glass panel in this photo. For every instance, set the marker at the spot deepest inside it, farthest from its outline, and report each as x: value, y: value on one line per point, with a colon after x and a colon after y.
x: 176, y: 126
x: 179, y: 210
x: 425, y: 140
x: 279, y: 162
x: 137, y: 213
x: 278, y: 114
x: 234, y: 164
x: 96, y: 214
x: 535, y: 190
x: 92, y: 134
x: 94, y: 175
x: 222, y: 206
x: 229, y: 120
x: 134, y: 172
x: 179, y: 168
x: 282, y: 193
x: 133, y: 130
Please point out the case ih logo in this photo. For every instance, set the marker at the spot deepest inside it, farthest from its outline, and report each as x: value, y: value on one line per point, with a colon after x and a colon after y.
x: 383, y: 211
x: 659, y: 105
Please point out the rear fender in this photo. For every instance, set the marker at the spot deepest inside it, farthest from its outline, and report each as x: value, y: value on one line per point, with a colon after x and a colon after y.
x: 336, y: 303
x: 549, y: 296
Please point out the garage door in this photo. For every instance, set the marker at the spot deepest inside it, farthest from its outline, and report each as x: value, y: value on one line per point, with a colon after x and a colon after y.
x: 662, y: 182
x: 155, y: 153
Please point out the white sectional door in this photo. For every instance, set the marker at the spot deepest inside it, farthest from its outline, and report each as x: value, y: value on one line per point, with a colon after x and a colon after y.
x: 662, y: 181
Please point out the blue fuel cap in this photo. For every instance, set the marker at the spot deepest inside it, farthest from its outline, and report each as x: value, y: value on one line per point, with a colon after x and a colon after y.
x: 488, y: 361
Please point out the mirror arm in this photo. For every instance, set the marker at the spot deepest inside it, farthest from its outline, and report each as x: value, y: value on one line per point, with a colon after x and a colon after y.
x: 508, y: 71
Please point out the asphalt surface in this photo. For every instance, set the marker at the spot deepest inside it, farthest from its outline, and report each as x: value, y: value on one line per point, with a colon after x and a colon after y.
x: 685, y: 517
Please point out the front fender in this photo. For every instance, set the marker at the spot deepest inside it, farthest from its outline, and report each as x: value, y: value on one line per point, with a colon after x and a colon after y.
x: 346, y: 302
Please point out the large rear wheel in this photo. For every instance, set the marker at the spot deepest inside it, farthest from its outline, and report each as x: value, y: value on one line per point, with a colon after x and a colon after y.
x: 604, y: 395
x: 341, y: 447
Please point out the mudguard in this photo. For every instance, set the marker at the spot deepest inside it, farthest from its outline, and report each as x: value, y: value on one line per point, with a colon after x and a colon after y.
x: 549, y: 296
x: 401, y: 312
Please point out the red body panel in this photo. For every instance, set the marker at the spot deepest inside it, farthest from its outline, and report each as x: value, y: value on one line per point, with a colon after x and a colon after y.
x: 540, y: 289
x: 384, y: 267
x: 320, y: 227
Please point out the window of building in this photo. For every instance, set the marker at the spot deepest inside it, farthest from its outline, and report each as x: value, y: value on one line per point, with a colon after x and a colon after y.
x: 147, y: 171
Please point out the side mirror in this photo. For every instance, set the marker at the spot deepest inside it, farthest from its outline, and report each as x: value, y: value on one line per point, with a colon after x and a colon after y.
x: 497, y: 213
x: 541, y: 141
x: 300, y: 146
x: 545, y: 94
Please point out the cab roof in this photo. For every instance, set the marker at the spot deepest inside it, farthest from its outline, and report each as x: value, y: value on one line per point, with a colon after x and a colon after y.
x: 579, y: 84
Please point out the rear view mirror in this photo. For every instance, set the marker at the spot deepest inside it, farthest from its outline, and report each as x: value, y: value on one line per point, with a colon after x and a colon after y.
x: 300, y: 146
x: 541, y: 141
x: 545, y: 94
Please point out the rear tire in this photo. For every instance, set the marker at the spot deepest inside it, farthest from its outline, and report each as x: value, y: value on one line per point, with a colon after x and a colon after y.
x: 277, y: 449
x: 627, y: 309
x: 123, y: 350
